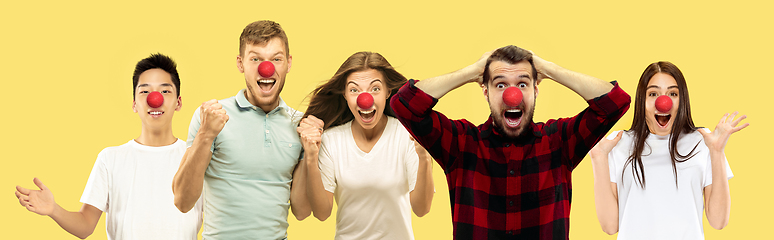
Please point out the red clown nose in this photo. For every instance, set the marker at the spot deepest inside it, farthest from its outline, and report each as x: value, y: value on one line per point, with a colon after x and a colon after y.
x: 266, y: 69
x: 663, y: 104
x: 512, y: 97
x: 365, y: 101
x: 155, y: 99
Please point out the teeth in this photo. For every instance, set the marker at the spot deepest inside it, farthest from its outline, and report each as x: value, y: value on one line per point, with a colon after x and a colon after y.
x: 366, y: 112
x: 663, y: 114
x: 513, y: 110
x: 266, y: 81
x: 155, y: 113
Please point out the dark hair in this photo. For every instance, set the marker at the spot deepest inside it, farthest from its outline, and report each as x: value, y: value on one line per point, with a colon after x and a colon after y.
x: 328, y: 103
x: 683, y: 122
x: 512, y: 55
x: 160, y: 61
x: 261, y: 32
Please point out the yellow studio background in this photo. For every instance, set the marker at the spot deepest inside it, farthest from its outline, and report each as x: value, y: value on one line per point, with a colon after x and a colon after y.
x: 66, y: 71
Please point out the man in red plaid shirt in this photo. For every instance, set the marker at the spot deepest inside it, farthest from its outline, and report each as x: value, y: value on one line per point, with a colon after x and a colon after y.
x: 510, y: 178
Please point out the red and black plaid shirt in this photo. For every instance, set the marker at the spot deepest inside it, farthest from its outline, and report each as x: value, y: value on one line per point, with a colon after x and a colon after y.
x: 505, y: 188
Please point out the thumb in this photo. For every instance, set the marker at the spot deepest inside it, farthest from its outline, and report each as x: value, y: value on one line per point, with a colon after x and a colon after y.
x: 40, y: 184
x: 705, y: 132
x: 618, y: 136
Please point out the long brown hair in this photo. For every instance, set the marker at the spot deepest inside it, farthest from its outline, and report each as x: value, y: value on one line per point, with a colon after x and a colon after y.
x: 683, y: 122
x: 328, y: 103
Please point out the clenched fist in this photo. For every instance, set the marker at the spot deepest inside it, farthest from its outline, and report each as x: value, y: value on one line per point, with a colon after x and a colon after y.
x: 213, y: 117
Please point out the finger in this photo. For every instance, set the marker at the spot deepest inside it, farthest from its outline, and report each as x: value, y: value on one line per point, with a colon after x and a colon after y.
x: 736, y: 122
x: 731, y: 117
x: 23, y: 190
x: 39, y: 184
x: 412, y: 138
x: 30, y: 208
x: 305, y: 124
x: 723, y: 119
x: 215, y: 106
x: 314, y: 121
x: 736, y: 129
x: 618, y: 136
x: 23, y: 197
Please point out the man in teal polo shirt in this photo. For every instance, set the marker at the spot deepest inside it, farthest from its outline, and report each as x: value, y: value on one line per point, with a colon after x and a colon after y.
x: 243, y: 151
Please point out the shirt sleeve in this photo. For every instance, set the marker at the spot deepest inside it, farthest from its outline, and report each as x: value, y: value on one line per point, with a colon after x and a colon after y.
x: 193, y: 128
x: 444, y: 139
x: 325, y: 164
x: 411, y: 159
x: 580, y: 133
x: 708, y: 171
x: 97, y: 188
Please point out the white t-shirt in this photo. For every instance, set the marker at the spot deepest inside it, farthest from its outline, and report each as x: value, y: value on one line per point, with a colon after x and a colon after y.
x: 371, y: 189
x: 132, y: 183
x: 662, y: 210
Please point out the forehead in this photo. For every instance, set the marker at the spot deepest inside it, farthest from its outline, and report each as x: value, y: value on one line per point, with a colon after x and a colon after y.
x: 662, y: 80
x: 501, y: 68
x: 155, y: 77
x: 365, y: 77
x: 273, y: 46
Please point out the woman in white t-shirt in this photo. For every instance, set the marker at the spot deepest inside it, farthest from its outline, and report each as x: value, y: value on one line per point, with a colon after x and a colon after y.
x: 654, y: 180
x: 365, y: 158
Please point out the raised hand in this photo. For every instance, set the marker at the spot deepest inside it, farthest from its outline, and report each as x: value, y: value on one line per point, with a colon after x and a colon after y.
x: 37, y: 201
x: 605, y: 145
x: 213, y: 117
x: 478, y: 67
x: 716, y: 140
x: 421, y: 151
x: 310, y: 130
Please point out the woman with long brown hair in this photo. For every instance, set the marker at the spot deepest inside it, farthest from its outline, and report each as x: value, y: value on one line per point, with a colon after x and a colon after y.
x: 655, y: 180
x: 364, y: 158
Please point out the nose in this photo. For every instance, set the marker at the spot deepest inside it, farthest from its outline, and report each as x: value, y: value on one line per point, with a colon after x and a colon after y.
x: 266, y: 69
x: 155, y: 99
x: 365, y: 101
x: 663, y: 103
x: 512, y: 97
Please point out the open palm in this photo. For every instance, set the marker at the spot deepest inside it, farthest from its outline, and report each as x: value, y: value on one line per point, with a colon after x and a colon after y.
x: 37, y: 201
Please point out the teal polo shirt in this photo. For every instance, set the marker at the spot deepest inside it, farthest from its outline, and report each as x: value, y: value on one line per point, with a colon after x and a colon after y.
x: 247, y: 184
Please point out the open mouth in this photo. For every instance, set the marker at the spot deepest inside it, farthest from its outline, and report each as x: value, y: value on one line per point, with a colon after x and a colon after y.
x: 367, y: 116
x: 513, y: 117
x: 266, y: 84
x: 155, y: 113
x: 663, y: 119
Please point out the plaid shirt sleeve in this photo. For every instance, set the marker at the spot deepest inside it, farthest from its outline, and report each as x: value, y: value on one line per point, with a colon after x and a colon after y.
x: 441, y: 136
x: 580, y: 133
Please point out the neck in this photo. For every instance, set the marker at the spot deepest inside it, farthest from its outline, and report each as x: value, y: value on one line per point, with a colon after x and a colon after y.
x: 370, y: 134
x: 266, y: 107
x: 156, y: 137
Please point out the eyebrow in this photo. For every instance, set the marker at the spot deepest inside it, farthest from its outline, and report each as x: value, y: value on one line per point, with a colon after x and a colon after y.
x: 148, y: 85
x: 281, y: 52
x: 372, y: 82
x: 654, y: 86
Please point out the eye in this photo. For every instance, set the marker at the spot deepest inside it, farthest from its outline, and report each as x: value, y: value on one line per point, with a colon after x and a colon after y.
x: 673, y: 94
x: 254, y: 59
x: 500, y: 85
x: 375, y: 89
x: 651, y: 94
x: 166, y: 91
x: 522, y: 85
x: 144, y: 91
x: 277, y: 59
x: 353, y: 90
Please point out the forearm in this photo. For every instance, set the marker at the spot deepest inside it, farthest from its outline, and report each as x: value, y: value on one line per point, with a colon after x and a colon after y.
x: 189, y: 180
x: 299, y: 202
x: 719, y: 202
x: 437, y: 87
x: 319, y: 199
x: 81, y: 224
x: 422, y: 196
x: 586, y: 86
x: 605, y: 199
